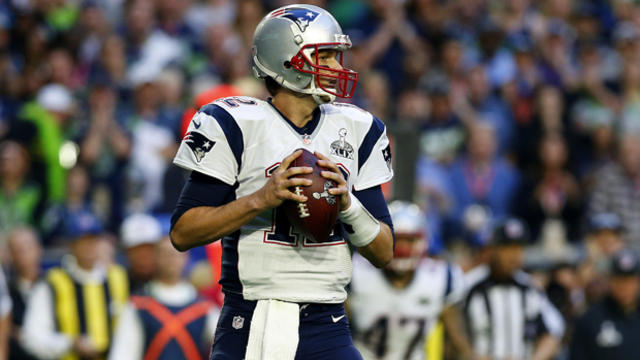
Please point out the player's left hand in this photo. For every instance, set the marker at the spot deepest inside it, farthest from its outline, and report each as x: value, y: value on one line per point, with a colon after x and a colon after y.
x: 333, y: 173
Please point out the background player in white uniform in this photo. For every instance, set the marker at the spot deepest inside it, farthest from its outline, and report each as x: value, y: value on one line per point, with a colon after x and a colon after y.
x: 239, y: 151
x: 394, y: 310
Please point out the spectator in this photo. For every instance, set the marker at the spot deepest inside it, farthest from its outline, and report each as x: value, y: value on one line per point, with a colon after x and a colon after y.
x: 201, y: 15
x: 138, y: 27
x: 20, y: 199
x: 615, y: 189
x: 105, y: 146
x: 171, y: 87
x: 449, y: 62
x: 384, y: 36
x: 551, y: 197
x: 148, y: 327
x: 466, y: 23
x: 626, y: 38
x: 481, y: 182
x: 62, y: 68
x: 88, y: 36
x: 519, y: 17
x: 149, y: 48
x: 429, y: 18
x: 442, y: 132
x: 548, y: 116
x: 520, y: 92
x: 606, y: 234
x: 604, y: 239
x: 593, y: 79
x: 630, y: 97
x: 171, y: 20
x: 139, y: 233
x: 498, y: 60
x: 112, y: 65
x: 555, y: 63
x: 440, y: 139
x: 223, y: 47
x: 43, y: 129
x: 153, y: 143
x: 55, y: 324
x: 25, y: 254
x: 58, y: 218
x: 481, y: 103
x: 10, y: 88
x: 609, y: 329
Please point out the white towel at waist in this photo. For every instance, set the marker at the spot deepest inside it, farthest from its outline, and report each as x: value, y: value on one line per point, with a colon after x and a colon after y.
x: 274, y: 331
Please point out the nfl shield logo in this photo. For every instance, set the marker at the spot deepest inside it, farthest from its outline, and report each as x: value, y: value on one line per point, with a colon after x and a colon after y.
x: 238, y: 322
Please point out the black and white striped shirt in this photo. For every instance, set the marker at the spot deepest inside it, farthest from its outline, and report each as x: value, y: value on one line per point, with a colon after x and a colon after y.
x: 616, y: 192
x: 505, y: 318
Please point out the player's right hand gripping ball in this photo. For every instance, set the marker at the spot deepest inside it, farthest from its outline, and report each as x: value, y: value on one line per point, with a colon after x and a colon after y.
x: 316, y: 217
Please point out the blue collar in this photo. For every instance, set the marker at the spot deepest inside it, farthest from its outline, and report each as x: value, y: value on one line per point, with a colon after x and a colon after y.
x: 309, y: 128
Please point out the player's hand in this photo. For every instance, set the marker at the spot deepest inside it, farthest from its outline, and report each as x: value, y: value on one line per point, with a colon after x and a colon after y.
x: 333, y: 173
x: 277, y: 189
x: 84, y: 348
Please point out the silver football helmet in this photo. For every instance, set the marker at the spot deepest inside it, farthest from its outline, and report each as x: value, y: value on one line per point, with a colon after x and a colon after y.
x: 286, y: 45
x: 409, y: 225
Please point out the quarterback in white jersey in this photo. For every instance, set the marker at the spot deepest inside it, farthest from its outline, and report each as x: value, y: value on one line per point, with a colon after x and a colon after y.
x: 394, y: 311
x: 240, y: 150
x: 242, y: 141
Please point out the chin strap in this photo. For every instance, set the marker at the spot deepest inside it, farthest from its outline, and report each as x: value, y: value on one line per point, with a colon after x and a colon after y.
x: 323, y: 99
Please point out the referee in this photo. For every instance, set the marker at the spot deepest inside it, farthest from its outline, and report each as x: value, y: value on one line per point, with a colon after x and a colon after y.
x: 507, y: 316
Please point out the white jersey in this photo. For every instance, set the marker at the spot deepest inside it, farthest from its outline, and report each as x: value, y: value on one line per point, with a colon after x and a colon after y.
x: 392, y: 323
x: 241, y: 141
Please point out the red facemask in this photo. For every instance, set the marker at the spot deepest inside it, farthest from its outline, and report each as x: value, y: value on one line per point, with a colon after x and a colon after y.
x: 345, y: 79
x: 409, y: 250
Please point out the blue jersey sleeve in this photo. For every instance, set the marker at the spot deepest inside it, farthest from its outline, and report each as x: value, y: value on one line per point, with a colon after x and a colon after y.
x: 202, y: 190
x: 373, y: 200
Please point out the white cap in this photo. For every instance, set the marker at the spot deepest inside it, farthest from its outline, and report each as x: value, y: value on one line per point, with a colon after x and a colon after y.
x: 55, y: 97
x: 139, y: 229
x: 142, y: 73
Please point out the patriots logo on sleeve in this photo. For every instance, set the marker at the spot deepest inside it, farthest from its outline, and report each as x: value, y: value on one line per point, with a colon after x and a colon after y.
x: 199, y: 144
x: 386, y: 153
x: 302, y: 17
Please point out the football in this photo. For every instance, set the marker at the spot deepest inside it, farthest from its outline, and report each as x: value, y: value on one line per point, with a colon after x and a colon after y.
x: 316, y: 217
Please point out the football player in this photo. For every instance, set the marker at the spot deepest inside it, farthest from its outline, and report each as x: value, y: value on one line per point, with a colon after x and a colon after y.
x: 413, y: 295
x: 283, y: 293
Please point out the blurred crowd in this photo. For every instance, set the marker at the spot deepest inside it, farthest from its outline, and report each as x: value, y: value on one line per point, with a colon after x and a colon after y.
x: 495, y: 108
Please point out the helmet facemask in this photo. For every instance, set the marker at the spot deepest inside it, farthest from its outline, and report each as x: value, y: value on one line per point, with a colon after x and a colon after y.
x: 307, y: 61
x: 411, y: 237
x: 408, y: 252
